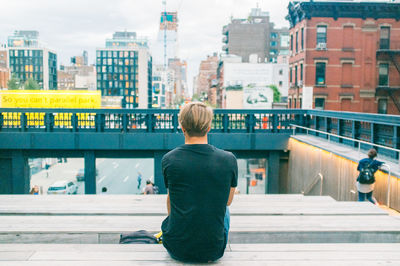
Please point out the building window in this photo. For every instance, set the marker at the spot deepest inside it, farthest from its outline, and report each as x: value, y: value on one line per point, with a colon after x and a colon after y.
x: 274, y: 35
x: 384, y: 42
x: 273, y: 43
x: 290, y: 75
x: 280, y: 83
x: 382, y: 106
x: 301, y: 72
x: 295, y: 75
x: 321, y: 34
x: 319, y: 103
x: 348, y: 37
x: 320, y: 73
x: 302, y: 39
x: 280, y: 72
x: 297, y: 41
x: 383, y: 74
x: 295, y: 103
x: 291, y: 43
x: 347, y: 74
x: 290, y: 103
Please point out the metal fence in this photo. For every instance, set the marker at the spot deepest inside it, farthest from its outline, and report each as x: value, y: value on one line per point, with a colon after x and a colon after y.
x: 149, y: 120
x: 372, y: 128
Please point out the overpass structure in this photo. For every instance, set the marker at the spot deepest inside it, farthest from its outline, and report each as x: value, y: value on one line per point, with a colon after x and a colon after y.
x: 92, y: 133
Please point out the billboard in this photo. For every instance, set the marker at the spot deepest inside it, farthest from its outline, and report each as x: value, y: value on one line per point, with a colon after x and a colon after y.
x: 257, y: 97
x: 50, y: 99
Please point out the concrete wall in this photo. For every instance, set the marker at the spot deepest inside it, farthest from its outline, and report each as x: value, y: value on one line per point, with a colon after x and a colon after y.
x: 306, y: 161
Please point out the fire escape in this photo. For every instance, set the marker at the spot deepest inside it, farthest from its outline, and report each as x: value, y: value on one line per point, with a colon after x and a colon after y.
x: 391, y: 54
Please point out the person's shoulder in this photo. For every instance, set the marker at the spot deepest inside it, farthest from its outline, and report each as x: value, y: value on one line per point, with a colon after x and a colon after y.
x: 365, y: 160
x: 225, y: 154
x: 172, y: 153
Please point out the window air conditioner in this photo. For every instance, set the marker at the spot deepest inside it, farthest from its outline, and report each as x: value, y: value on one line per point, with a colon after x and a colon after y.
x: 321, y: 46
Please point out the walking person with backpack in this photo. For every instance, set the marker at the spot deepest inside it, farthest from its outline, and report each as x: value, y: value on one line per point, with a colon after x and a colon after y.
x: 366, y: 179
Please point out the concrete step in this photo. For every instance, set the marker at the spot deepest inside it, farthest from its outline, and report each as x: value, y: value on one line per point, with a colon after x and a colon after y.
x: 155, y: 205
x: 235, y: 254
x: 244, y: 229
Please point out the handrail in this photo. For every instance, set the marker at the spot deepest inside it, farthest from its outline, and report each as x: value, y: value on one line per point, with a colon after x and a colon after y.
x: 347, y: 138
x: 388, y: 185
x: 312, y: 185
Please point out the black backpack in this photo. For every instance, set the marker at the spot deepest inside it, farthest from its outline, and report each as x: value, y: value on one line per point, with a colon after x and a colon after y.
x: 366, y: 175
x: 138, y: 237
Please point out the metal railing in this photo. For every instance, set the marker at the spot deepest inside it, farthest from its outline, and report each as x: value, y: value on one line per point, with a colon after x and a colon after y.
x: 145, y: 120
x: 320, y: 178
x: 346, y: 138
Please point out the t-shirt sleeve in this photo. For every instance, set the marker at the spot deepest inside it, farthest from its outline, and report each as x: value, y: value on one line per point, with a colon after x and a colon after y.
x: 234, y: 166
x: 164, y: 169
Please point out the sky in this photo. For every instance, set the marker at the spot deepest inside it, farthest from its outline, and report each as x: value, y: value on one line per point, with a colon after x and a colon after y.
x: 71, y: 26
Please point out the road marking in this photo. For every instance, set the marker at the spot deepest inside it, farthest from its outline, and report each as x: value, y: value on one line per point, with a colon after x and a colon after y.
x: 116, y: 165
x: 126, y: 179
x: 137, y: 165
x: 101, y: 179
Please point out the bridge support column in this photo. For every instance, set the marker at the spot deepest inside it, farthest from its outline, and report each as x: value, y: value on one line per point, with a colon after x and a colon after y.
x: 272, y: 186
x: 158, y: 175
x: 14, y: 174
x: 90, y: 172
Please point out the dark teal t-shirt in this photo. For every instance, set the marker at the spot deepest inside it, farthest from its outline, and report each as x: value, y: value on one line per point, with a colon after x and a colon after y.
x: 198, y: 178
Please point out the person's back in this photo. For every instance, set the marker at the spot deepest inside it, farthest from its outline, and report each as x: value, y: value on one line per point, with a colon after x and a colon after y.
x: 199, y: 178
x: 149, y: 189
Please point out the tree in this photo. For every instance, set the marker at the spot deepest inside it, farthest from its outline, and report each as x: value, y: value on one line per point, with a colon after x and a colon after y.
x: 13, y: 83
x: 31, y: 84
x: 277, y: 93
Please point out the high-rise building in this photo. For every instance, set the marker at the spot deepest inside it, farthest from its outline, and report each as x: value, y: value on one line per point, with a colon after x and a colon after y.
x: 207, y: 69
x: 125, y: 71
x: 255, y: 35
x: 347, y: 60
x: 166, y: 46
x: 28, y: 59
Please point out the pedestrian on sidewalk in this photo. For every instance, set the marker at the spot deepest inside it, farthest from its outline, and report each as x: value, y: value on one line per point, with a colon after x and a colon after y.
x: 149, y: 188
x: 139, y: 180
x: 366, y: 178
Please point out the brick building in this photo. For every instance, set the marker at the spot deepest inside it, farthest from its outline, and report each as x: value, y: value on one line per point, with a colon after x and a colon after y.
x: 207, y: 70
x: 4, y: 71
x: 345, y: 56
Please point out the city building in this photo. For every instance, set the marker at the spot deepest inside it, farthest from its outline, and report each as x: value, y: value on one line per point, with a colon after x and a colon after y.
x: 207, y: 69
x: 255, y: 35
x: 80, y: 60
x: 4, y: 71
x: 345, y: 56
x: 28, y: 59
x: 159, y: 87
x: 125, y: 71
x: 80, y: 77
x: 247, y: 85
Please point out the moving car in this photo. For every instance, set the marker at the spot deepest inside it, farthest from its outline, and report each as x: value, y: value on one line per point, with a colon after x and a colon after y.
x: 63, y: 188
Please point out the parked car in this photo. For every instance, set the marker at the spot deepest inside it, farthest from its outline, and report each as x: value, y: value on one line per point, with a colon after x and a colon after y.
x: 63, y: 187
x: 80, y: 176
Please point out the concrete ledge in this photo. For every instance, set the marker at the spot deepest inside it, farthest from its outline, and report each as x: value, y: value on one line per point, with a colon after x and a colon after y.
x: 240, y: 254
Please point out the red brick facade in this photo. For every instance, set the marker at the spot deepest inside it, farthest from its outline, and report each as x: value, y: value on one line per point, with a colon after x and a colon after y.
x: 352, y: 63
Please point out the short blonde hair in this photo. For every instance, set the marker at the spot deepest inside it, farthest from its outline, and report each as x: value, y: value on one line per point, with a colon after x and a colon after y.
x: 196, y: 118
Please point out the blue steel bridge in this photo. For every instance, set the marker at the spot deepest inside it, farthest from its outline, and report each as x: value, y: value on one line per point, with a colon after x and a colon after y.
x: 150, y: 133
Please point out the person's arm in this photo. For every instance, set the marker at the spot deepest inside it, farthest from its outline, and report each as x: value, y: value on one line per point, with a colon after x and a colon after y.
x: 231, y: 194
x: 168, y: 205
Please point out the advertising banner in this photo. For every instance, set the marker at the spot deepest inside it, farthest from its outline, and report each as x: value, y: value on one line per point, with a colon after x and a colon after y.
x: 257, y: 97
